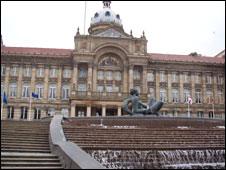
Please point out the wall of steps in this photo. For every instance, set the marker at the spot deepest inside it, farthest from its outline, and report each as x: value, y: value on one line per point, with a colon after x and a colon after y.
x: 25, y: 145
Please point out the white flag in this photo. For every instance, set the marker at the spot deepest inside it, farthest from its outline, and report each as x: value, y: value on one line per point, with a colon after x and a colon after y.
x: 190, y: 100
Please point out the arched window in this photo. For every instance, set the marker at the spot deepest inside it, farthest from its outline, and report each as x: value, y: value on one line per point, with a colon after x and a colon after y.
x: 107, y: 14
x: 96, y: 15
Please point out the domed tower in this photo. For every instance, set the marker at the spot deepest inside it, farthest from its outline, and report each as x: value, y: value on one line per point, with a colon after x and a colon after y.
x: 105, y: 19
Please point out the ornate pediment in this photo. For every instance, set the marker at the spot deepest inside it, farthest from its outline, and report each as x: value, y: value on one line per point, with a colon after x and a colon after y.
x: 111, y: 33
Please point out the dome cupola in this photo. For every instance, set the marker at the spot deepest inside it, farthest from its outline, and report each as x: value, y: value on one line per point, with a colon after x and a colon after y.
x: 105, y: 17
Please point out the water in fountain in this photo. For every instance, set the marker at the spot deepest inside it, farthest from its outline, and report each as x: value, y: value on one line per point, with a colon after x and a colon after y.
x: 167, y: 159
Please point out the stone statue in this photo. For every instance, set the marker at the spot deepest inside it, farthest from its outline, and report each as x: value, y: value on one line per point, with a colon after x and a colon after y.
x: 137, y: 107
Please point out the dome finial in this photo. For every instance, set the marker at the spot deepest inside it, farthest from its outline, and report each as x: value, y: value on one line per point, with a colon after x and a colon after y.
x: 107, y: 4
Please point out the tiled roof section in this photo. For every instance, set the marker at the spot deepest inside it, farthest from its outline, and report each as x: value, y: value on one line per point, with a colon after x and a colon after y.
x: 54, y: 52
x: 185, y: 58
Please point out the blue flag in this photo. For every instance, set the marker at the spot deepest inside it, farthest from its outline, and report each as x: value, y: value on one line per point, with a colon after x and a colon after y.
x: 5, y: 99
x: 34, y: 95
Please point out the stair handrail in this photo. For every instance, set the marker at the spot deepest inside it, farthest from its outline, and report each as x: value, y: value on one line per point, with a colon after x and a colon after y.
x: 70, y: 154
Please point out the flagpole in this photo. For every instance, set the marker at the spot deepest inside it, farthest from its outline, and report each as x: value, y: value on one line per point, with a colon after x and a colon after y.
x: 29, y: 114
x: 188, y: 110
x: 213, y: 108
x: 2, y: 107
x: 85, y: 19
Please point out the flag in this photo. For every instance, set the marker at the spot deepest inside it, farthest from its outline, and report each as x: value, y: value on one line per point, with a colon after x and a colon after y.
x: 5, y: 99
x: 189, y: 100
x: 34, y: 95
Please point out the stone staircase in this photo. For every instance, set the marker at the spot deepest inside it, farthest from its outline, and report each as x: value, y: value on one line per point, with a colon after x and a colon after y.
x: 25, y: 145
x: 150, y: 143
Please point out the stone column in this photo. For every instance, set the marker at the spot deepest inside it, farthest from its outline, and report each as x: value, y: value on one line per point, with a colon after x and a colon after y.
x: 88, y: 112
x: 119, y: 111
x: 125, y: 79
x: 193, y: 87
x: 169, y: 88
x: 204, y: 87
x: 144, y: 89
x: 74, y: 77
x: 59, y: 84
x: 157, y: 79
x: 103, y: 111
x: 130, y: 77
x: 90, y: 75
x: 19, y: 82
x: 94, y: 78
x: 73, y: 105
x: 181, y: 84
x: 46, y: 83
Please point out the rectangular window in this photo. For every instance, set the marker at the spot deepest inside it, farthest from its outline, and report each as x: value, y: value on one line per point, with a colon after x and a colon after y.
x: 12, y: 90
x: 108, y: 75
x: 186, y: 95
x: 150, y: 77
x: 175, y: 96
x: 136, y: 74
x: 100, y: 88
x: 174, y: 77
x: 52, y: 92
x: 198, y: 96
x: 10, y: 112
x: 27, y: 72
x: 82, y: 87
x: 100, y: 75
x: 118, y: 75
x: 162, y: 76
x: 40, y: 72
x: 200, y: 114
x: 109, y: 88
x: 82, y: 72
x: 152, y: 92
x: 220, y: 79
x: 13, y: 71
x: 39, y: 90
x: 24, y: 112
x: 197, y: 78
x: 67, y: 73
x: 26, y: 91
x: 3, y: 70
x: 53, y: 73
x: 209, y: 96
x: 37, y: 113
x: 220, y: 97
x: 163, y: 96
x: 208, y: 79
x: 65, y: 92
x: 186, y: 77
x: 116, y: 89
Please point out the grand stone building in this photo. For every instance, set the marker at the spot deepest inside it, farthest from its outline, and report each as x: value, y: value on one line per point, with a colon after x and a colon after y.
x: 93, y: 78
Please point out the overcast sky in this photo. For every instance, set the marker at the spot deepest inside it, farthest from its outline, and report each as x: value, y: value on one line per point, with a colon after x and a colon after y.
x: 170, y: 27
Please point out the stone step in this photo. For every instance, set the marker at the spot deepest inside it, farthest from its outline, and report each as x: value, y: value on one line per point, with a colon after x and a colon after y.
x: 25, y: 147
x: 27, y: 155
x: 24, y: 150
x: 24, y: 138
x: 25, y: 144
x: 19, y: 159
x: 28, y: 163
x: 43, y: 167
